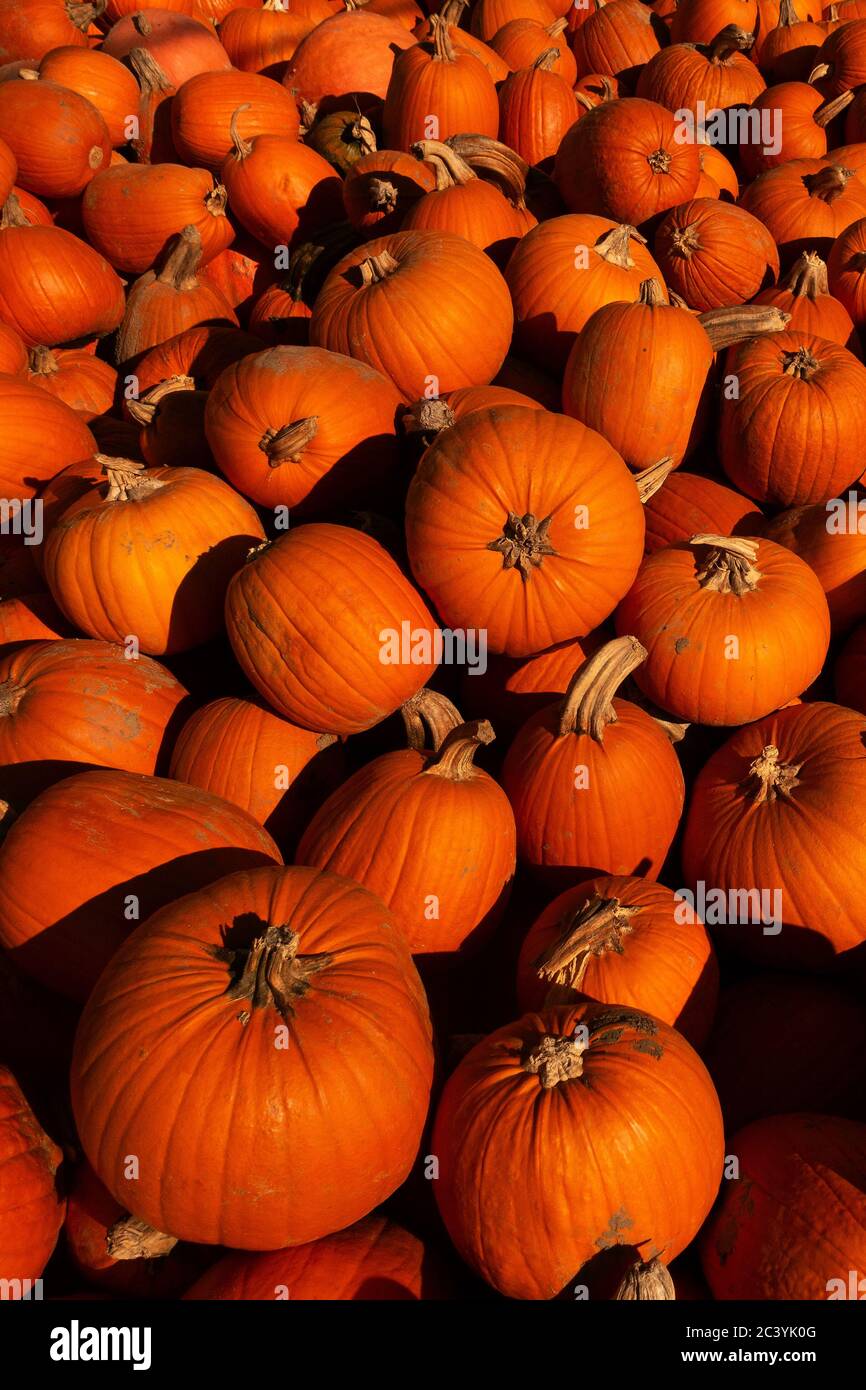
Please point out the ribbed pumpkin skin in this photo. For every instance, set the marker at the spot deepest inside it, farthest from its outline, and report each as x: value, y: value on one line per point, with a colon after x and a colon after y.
x: 82, y: 381
x: 160, y: 308
x: 475, y: 211
x: 850, y: 671
x: 838, y: 558
x: 845, y: 52
x: 715, y: 254
x: 782, y: 628
x: 845, y: 272
x: 242, y: 751
x: 690, y: 505
x: 520, y: 41
x: 304, y: 618
x: 31, y: 618
x: 31, y: 1209
x: 202, y: 110
x: 733, y: 841
x: 161, y: 1088
x: 787, y: 440
x: 513, y: 460
x: 662, y: 965
x: 525, y: 1185
x: 99, y: 566
x: 41, y: 434
x: 554, y: 294
x: 58, y: 137
x: 616, y: 43
x: 781, y: 1010
x: 351, y: 53
x: 30, y: 28
x: 100, y: 79
x: 201, y: 352
x: 622, y: 821
x: 264, y: 40
x: 281, y: 190
x: 536, y: 108
x: 825, y: 316
x: 680, y: 76
x: 606, y: 163
x: 131, y: 211
x: 13, y: 351
x: 795, y: 1218
x: 373, y: 1260
x: 799, y: 134
x: 459, y: 93
x: 407, y: 834
x: 404, y: 178
x: 85, y: 705
x: 54, y: 288
x: 489, y: 16
x: 636, y: 375
x: 698, y: 21
x: 796, y: 220
x: 112, y: 834
x: 444, y: 313
x: 181, y: 45
x: 353, y: 450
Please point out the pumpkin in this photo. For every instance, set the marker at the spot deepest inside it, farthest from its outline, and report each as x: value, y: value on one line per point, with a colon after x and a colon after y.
x: 688, y: 504
x: 432, y: 414
x: 536, y: 108
x: 850, y: 671
x: 436, y: 91
x: 163, y: 302
x: 241, y: 273
x: 83, y: 381
x: 181, y: 45
x: 716, y: 74
x: 650, y: 415
x: 452, y: 10
x: 841, y: 59
x: 791, y: 434
x: 201, y: 352
x: 824, y: 537
x: 41, y: 434
x: 622, y: 940
x: 468, y: 206
x: 768, y: 19
x: 31, y: 618
x: 718, y: 177
x: 845, y: 267
x: 171, y: 420
x: 263, y: 40
x: 527, y: 1121
x: 59, y: 138
x: 617, y: 39
x: 489, y: 16
x: 787, y: 52
x: 86, y: 706
x: 362, y: 639
x: 521, y: 42
x: 451, y: 894
x: 565, y: 269
x: 347, y: 58
x: 798, y: 118
x: 8, y: 171
x: 304, y: 429
x: 166, y: 839
x: 308, y: 953
x: 804, y: 294
x: 279, y: 189
x: 714, y: 254
x: 31, y: 1207
x: 593, y: 781
x: 805, y: 204
x: 131, y: 211
x: 14, y: 359
x: 382, y: 187
x: 624, y: 159
x: 373, y: 1260
x: 411, y: 305
x: 204, y: 106
x: 497, y: 534
x: 153, y: 143
x: 733, y: 629
x: 698, y: 21
x: 341, y: 137
x: 29, y: 28
x: 778, y: 798
x: 784, y: 1009
x: 96, y: 557
x: 100, y: 79
x: 791, y: 1224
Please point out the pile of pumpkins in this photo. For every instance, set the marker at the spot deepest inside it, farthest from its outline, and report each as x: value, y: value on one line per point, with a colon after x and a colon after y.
x: 433, y: 649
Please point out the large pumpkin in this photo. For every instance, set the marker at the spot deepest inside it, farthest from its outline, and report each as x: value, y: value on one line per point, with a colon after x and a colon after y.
x: 53, y: 287
x: 733, y: 628
x: 427, y: 309
x: 593, y: 780
x: 551, y: 1136
x: 622, y: 941
x: 806, y: 203
x: 181, y: 45
x: 470, y: 206
x: 29, y: 28
x: 436, y: 91
x: 715, y: 254
x: 775, y: 824
x: 31, y: 1207
x: 328, y: 630
x: 524, y: 524
x: 792, y: 1224
x: 349, y: 56
x: 279, y: 189
x: 617, y: 39
x: 131, y: 211
x: 219, y: 978
x: 716, y: 75
x: 99, y: 78
x: 41, y: 434
x: 830, y: 539
x: 202, y: 111
x: 115, y: 846
x: 264, y: 40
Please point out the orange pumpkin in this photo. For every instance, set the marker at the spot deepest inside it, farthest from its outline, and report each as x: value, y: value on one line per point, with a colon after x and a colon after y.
x: 690, y: 505
x: 715, y: 254
x: 83, y: 381
x: 489, y: 16
x: 834, y: 548
x: 698, y: 21
x: 31, y: 618
x: 29, y: 28
x: 716, y: 74
x: 131, y: 211
x: 536, y: 108
x: 59, y: 139
x: 787, y: 52
x: 201, y: 353
x: 805, y: 295
x: 845, y: 271
x: 350, y: 56
x: 42, y: 434
x: 13, y: 351
x: 618, y: 38
x: 841, y: 59
x: 31, y: 1207
x: 382, y: 187
x: 263, y: 40
x: 521, y: 42
x: 180, y: 44
x: 805, y: 204
x: 202, y: 111
x: 101, y: 80
x: 468, y: 206
x: 279, y: 189
x: 163, y: 302
x: 436, y: 91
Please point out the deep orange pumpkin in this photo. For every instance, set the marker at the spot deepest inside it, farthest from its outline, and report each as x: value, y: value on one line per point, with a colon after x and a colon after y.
x: 263, y: 40
x: 31, y: 1207
x: 13, y: 351
x: 83, y: 381
x: 617, y: 39
x: 201, y: 352
x: 101, y: 80
x: 841, y: 59
x: 437, y: 90
x: 698, y: 21
x: 805, y: 295
x: 166, y: 300
x: 131, y: 211
x: 181, y: 45
x: 521, y: 42
x: 350, y: 56
x: 690, y: 505
x: 717, y: 74
x: 41, y: 434
x: 31, y: 618
x: 715, y: 254
x: 279, y: 189
x: 536, y: 108
x: 845, y: 271
x: 55, y: 288
x: 202, y: 111
x: 806, y: 203
x: 469, y: 206
x: 788, y: 51
x: 29, y: 28
x: 824, y: 536
x: 59, y: 138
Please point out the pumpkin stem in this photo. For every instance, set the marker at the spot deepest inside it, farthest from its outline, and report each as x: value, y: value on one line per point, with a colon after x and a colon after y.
x: 450, y: 169
x: 13, y: 214
x: 28, y: 75
x: 773, y: 778
x: 651, y: 479
x: 42, y: 361
x: 443, y: 48
x: 558, y: 27
x: 428, y: 416
x: 377, y: 268
x: 730, y: 40
x: 182, y: 260
x: 800, y: 364
x: 587, y: 707
x: 828, y: 183
x: 818, y: 73
x: 143, y: 410
x: 11, y: 696
x: 598, y: 926
x: 659, y: 161
x: 287, y: 445
x: 215, y: 201
x: 505, y: 165
x: 125, y: 483
x: 686, y: 241
x: 787, y: 15
x: 613, y: 246
x: 243, y: 148
x: 649, y: 1280
x: 523, y: 543
x: 435, y: 711
x: 555, y: 1059
x: 151, y: 77
x: 807, y: 276
x: 455, y: 758
x: 142, y: 25
x: 131, y: 1239
x: 452, y: 11
x: 651, y: 293
x: 273, y: 974
x: 83, y: 15
x: 832, y: 107
x: 363, y: 134
x: 382, y: 194
x: 725, y: 327
x: 729, y: 567
x: 545, y: 60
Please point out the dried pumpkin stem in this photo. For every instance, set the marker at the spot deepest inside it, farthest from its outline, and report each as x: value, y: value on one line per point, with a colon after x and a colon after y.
x: 503, y: 164
x: 660, y: 161
x: 546, y: 59
x: 182, y: 260
x: 730, y: 40
x: 524, y: 543
x: 131, y: 1239
x: 650, y: 1281
x: 828, y: 184
x: 587, y: 707
x: 428, y: 417
x: 375, y: 269
x: 143, y: 410
x: 831, y: 108
x: 127, y: 480
x: 651, y: 479
x: 42, y: 361
x: 287, y: 445
x: 13, y: 214
x: 450, y: 169
x: 800, y: 364
x: 651, y: 293
x: 734, y: 324
x: 613, y: 246
x: 151, y: 77
x: 729, y: 566
x: 443, y: 48
x: 83, y: 15
x: 272, y: 973
x: 363, y: 134
x: 242, y: 148
x: 429, y: 711
x: 807, y: 276
x: 455, y: 758
x: 556, y: 1059
x: 772, y: 778
x: 382, y: 194
x: 597, y: 927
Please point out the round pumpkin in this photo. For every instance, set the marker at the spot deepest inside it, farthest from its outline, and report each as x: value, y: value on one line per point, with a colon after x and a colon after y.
x: 59, y: 138
x: 29, y: 28
x: 536, y: 108
x: 435, y: 82
x: 203, y: 108
x: 180, y: 44
x: 201, y: 352
x: 520, y: 42
x: 347, y: 58
x: 310, y: 957
x: 788, y: 51
x: 841, y: 59
x: 14, y: 359
x: 41, y: 434
x: 132, y: 210
x: 806, y: 203
x: 101, y: 80
x: 263, y: 40
x: 54, y: 288
x: 714, y: 254
x: 845, y: 268
x: 469, y: 206
x: 805, y: 295
x: 31, y: 1207
x: 688, y: 504
x: 698, y: 21
x: 832, y: 541
x: 717, y: 75
x: 166, y: 300
x: 797, y: 127
x: 279, y: 189
x: 381, y: 187
x: 83, y: 381
x: 617, y: 39
x: 31, y: 618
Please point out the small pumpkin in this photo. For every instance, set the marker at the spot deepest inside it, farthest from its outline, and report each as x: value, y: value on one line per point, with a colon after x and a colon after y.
x: 467, y: 205
x: 83, y: 381
x: 806, y: 203
x: 101, y: 80
x: 617, y: 39
x: 521, y: 42
x: 279, y: 189
x: 715, y: 254
x: 536, y: 108
x: 342, y: 137
x: 42, y: 434
x: 833, y: 548
x: 350, y: 56
x: 201, y: 352
x: 788, y: 52
x: 31, y: 1207
x: 804, y: 293
x: 165, y: 301
x: 381, y: 187
x: 264, y: 40
x: 698, y: 21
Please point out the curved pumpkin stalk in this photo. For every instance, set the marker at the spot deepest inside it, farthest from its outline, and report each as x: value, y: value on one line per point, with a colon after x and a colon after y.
x: 428, y: 710
x: 650, y: 1280
x: 144, y: 409
x: 598, y: 926
x: 131, y: 1239
x: 588, y: 704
